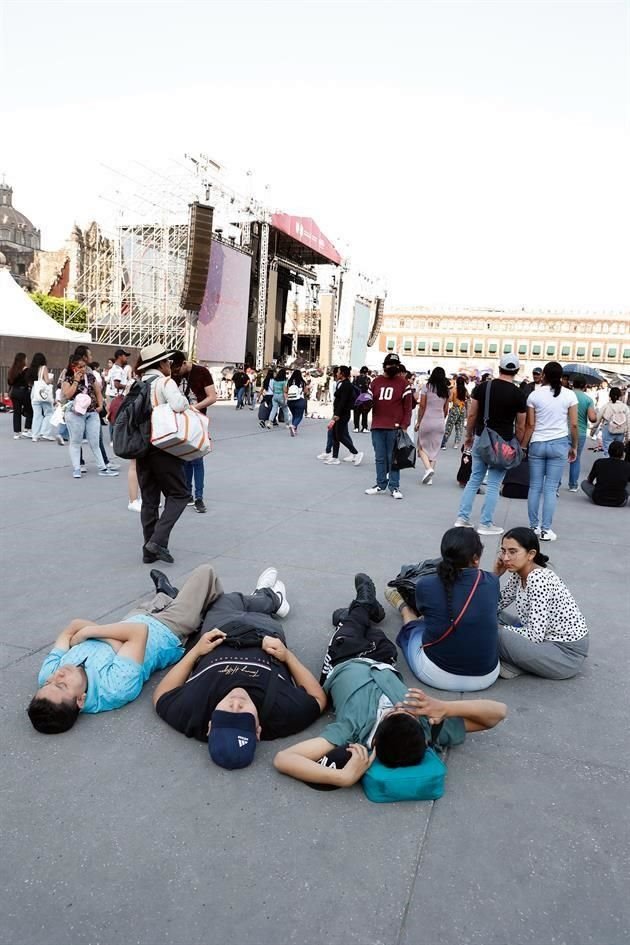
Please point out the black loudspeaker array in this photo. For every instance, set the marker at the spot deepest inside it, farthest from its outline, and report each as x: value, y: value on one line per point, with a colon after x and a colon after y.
x: 198, y: 256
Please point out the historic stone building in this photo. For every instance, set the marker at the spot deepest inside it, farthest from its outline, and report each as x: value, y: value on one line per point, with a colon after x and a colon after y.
x: 465, y: 338
x: 19, y: 239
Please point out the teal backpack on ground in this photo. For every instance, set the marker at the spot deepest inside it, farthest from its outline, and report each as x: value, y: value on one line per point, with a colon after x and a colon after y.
x: 423, y: 782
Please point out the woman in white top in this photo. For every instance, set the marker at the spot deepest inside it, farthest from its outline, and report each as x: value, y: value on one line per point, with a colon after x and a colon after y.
x: 41, y: 397
x: 613, y: 418
x: 549, y: 636
x: 551, y: 419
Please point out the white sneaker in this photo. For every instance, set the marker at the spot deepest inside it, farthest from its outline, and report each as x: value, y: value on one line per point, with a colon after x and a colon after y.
x: 50, y: 439
x: 34, y: 439
x: 536, y: 531
x: 461, y: 523
x: 17, y: 436
x: 547, y: 535
x: 113, y: 466
x: 357, y: 459
x: 323, y: 455
x: 332, y: 462
x: 59, y: 439
x: 135, y: 506
x: 349, y: 458
x: 428, y: 475
x: 267, y: 579
x: 375, y: 490
x: 27, y: 435
x: 108, y: 473
x: 281, y: 591
x: 490, y: 529
x: 397, y: 494
x: 573, y: 488
x: 355, y: 429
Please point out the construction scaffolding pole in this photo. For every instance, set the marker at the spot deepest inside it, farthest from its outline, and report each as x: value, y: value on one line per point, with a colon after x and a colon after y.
x: 262, y: 294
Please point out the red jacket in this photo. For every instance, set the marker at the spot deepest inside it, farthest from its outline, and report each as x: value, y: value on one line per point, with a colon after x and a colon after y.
x: 392, y: 402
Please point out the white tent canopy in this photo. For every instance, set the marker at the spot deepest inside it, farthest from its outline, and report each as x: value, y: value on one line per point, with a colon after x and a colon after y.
x: 21, y: 317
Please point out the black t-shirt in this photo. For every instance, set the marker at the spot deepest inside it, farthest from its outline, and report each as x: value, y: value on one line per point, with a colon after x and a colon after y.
x: 612, y: 477
x: 194, y: 384
x: 240, y: 379
x: 506, y: 400
x: 189, y: 707
x: 345, y: 395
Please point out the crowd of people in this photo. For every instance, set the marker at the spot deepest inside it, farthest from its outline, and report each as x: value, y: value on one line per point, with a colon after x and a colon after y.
x: 232, y: 678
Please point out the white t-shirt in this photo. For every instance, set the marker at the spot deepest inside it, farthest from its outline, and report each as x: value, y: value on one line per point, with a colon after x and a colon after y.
x: 551, y: 413
x: 118, y: 373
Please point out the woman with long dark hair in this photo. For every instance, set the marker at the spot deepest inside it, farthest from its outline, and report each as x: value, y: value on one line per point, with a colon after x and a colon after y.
x: 83, y: 395
x: 614, y: 419
x: 279, y: 399
x: 432, y: 411
x: 549, y: 636
x: 458, y: 404
x: 20, y: 396
x: 296, y: 400
x: 40, y: 382
x: 551, y: 412
x: 453, y: 645
x: 266, y: 398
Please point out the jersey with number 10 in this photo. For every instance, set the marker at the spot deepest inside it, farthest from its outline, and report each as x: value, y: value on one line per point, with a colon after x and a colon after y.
x: 392, y: 402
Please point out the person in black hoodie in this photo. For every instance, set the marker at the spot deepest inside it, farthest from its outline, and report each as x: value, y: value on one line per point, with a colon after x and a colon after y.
x: 345, y: 396
x: 360, y: 412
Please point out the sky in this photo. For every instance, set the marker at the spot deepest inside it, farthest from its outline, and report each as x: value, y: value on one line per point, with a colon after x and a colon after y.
x: 469, y: 153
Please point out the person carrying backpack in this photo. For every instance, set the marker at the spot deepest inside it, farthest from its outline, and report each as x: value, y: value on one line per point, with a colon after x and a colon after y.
x: 614, y: 420
x: 159, y: 472
x: 363, y: 406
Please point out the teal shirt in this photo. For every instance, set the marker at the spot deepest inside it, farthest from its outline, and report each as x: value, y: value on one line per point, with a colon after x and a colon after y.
x: 112, y: 681
x: 356, y: 687
x: 584, y: 402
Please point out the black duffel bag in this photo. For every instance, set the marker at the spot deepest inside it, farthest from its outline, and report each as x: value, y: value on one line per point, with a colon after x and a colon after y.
x: 407, y: 578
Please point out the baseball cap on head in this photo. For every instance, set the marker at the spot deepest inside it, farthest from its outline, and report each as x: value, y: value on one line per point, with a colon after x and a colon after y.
x: 537, y: 370
x: 391, y: 358
x: 232, y: 739
x: 509, y: 364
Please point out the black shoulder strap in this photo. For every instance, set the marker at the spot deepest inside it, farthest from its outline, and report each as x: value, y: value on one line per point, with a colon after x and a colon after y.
x: 270, y: 695
x: 435, y: 734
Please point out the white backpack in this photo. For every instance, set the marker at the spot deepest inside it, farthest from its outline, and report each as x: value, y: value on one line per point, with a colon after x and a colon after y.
x: 618, y: 419
x: 294, y: 392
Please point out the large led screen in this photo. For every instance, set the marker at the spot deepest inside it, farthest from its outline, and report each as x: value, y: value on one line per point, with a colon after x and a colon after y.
x: 360, y: 333
x: 222, y: 325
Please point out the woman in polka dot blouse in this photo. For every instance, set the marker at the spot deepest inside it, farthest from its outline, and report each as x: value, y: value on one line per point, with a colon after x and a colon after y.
x: 549, y: 637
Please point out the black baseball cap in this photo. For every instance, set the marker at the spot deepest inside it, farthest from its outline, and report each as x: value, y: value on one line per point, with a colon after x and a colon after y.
x: 537, y: 370
x: 391, y: 358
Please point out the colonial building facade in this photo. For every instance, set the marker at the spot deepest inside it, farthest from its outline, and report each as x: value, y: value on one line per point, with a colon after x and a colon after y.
x: 473, y: 338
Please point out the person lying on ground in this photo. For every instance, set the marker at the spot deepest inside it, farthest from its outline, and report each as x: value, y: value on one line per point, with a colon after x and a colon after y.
x: 240, y: 682
x: 608, y: 482
x: 376, y: 714
x: 97, y: 667
x: 549, y: 636
x: 454, y: 644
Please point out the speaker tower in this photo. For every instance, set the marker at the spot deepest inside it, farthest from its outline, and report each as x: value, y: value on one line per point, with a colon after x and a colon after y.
x: 198, y: 256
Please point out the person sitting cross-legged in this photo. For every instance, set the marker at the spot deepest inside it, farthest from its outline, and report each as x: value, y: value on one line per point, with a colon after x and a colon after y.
x: 240, y: 683
x: 376, y: 714
x: 608, y: 482
x: 97, y: 667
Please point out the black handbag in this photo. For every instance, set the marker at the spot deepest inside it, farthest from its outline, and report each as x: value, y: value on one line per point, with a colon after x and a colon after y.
x: 407, y: 578
x: 404, y: 455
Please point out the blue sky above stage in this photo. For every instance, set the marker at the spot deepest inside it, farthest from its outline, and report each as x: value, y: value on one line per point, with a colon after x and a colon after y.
x: 468, y: 152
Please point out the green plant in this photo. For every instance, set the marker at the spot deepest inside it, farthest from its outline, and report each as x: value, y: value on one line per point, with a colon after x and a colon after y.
x: 75, y: 314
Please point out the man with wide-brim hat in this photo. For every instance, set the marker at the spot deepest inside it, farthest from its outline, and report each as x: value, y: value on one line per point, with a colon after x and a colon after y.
x: 160, y: 473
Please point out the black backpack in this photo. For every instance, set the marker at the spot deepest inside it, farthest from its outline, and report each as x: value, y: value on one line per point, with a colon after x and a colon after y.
x: 131, y: 435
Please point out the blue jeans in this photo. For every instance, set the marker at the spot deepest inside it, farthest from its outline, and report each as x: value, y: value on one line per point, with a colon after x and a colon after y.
x: 574, y: 468
x: 297, y: 408
x: 495, y: 478
x: 546, y: 462
x: 608, y: 438
x: 277, y: 403
x: 86, y: 425
x: 240, y: 396
x: 195, y: 469
x: 383, y: 444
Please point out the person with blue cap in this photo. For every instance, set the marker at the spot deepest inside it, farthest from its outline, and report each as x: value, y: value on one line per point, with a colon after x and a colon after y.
x: 240, y: 682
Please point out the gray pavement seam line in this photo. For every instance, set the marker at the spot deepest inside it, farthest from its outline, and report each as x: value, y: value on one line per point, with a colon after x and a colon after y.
x: 412, y: 884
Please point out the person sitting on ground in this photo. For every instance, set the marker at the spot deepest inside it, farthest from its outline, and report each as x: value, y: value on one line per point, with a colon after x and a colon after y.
x: 376, y: 714
x: 454, y: 645
x: 608, y: 480
x: 97, y: 667
x: 549, y: 637
x: 232, y: 697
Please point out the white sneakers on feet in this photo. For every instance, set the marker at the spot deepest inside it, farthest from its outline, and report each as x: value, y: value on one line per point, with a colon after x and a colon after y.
x: 332, y: 462
x: 281, y: 591
x: 428, y: 476
x: 397, y: 494
x: 323, y: 455
x: 375, y: 490
x: 547, y: 535
x: 349, y: 458
x: 490, y: 529
x: 267, y: 579
x: 461, y: 523
x: 357, y: 459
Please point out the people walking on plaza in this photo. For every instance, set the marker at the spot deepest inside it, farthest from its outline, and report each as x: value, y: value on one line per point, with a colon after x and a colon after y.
x: 342, y: 407
x: 20, y: 395
x: 376, y: 714
x: 585, y: 412
x: 279, y: 398
x: 432, y: 410
x: 551, y: 412
x: 548, y: 636
x: 241, y: 386
x: 196, y: 383
x: 40, y: 382
x: 507, y: 418
x: 296, y: 400
x: 266, y: 399
x: 82, y: 394
x: 392, y: 405
x: 450, y: 638
x: 363, y: 404
x: 160, y: 473
x: 458, y: 402
x: 240, y: 682
x: 608, y: 482
x: 613, y: 419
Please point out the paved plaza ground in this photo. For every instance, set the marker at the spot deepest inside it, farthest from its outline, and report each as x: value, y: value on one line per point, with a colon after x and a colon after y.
x: 123, y: 831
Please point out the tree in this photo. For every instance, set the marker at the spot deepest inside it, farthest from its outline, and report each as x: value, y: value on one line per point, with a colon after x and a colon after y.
x: 75, y: 314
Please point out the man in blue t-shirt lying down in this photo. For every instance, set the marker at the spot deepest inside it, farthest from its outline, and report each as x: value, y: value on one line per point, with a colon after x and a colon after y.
x: 95, y: 668
x: 377, y: 716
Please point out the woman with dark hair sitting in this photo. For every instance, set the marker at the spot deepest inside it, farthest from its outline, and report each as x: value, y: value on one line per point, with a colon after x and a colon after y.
x: 454, y: 643
x: 549, y: 637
